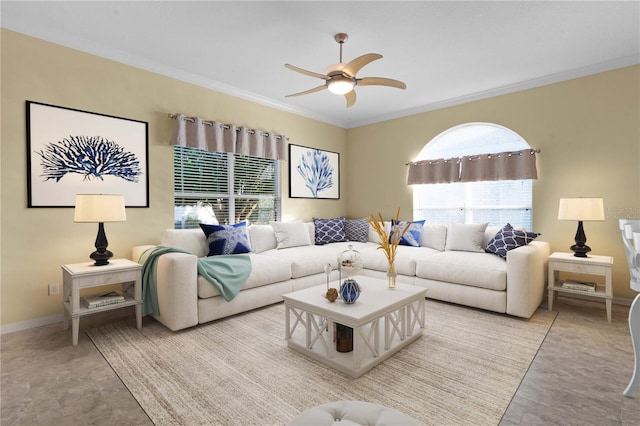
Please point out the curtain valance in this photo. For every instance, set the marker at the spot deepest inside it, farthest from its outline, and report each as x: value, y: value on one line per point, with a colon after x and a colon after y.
x: 194, y: 132
x: 473, y: 168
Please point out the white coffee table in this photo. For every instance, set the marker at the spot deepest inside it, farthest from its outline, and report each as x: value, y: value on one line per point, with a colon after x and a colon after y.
x: 397, y: 315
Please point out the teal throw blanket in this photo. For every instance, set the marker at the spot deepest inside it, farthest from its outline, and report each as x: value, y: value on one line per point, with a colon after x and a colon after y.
x: 227, y: 273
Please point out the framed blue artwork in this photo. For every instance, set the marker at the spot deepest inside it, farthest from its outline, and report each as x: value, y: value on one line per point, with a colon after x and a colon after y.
x: 313, y: 173
x: 71, y: 152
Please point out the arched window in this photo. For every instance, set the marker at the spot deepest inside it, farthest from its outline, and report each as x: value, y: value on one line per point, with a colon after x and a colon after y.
x: 496, y: 202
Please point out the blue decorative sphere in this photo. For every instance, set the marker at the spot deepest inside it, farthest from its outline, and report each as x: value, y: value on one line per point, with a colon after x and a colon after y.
x: 350, y: 291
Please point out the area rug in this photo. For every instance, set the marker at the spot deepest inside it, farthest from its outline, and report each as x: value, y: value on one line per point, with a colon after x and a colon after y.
x: 465, y: 369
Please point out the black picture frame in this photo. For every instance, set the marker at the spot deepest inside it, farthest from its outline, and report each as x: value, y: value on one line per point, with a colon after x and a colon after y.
x: 71, y: 151
x: 313, y: 173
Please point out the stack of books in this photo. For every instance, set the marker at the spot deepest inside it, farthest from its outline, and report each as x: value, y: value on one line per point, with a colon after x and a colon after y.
x: 99, y: 300
x: 580, y: 285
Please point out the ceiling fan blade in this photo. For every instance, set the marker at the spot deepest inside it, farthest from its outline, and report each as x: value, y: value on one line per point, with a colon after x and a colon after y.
x: 305, y: 72
x: 355, y: 65
x: 351, y: 98
x: 306, y: 92
x: 380, y: 81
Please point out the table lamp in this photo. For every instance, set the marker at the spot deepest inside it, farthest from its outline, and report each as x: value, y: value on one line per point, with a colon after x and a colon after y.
x: 581, y: 209
x: 100, y: 208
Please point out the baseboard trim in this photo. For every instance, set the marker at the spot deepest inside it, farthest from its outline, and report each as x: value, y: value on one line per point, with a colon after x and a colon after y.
x: 25, y: 325
x: 621, y: 301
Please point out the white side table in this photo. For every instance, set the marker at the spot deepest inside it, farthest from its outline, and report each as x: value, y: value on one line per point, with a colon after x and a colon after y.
x: 592, y: 265
x: 77, y: 276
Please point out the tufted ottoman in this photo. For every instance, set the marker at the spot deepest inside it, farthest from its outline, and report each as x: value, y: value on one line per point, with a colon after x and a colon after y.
x: 351, y: 413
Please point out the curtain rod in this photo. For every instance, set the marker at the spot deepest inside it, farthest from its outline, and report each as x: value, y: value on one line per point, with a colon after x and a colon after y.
x: 224, y: 126
x: 476, y: 156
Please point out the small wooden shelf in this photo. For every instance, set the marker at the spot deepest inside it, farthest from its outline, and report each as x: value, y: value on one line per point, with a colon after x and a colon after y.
x: 78, y: 276
x: 129, y: 300
x: 591, y: 265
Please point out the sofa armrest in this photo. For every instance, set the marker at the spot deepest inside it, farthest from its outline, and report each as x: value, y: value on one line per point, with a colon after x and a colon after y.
x: 526, y: 278
x: 137, y: 251
x: 177, y: 286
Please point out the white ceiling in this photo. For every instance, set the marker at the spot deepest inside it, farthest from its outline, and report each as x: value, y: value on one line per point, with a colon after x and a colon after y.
x: 447, y: 52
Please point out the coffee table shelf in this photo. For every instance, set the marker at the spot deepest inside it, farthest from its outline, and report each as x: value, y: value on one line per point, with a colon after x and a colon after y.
x: 383, y: 321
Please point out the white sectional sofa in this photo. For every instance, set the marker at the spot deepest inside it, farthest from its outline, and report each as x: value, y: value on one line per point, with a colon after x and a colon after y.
x: 514, y: 286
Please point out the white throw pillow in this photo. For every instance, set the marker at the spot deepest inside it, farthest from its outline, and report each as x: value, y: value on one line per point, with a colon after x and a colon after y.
x: 374, y: 237
x: 291, y: 234
x: 262, y: 238
x: 466, y: 237
x: 434, y: 236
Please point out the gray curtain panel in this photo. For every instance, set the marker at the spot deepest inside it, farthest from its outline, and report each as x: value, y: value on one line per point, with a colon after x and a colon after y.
x: 474, y: 168
x: 213, y: 136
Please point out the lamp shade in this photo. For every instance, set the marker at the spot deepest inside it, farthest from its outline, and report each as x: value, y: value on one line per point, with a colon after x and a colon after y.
x: 581, y: 209
x: 98, y: 208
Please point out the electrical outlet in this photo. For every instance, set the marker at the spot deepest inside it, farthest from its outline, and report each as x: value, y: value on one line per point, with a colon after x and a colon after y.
x: 53, y: 289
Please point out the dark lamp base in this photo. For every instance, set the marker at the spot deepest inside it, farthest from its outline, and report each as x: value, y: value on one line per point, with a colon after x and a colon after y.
x: 101, y: 257
x: 580, y: 251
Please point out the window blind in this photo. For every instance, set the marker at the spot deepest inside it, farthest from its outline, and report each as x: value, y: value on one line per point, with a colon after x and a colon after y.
x: 223, y: 188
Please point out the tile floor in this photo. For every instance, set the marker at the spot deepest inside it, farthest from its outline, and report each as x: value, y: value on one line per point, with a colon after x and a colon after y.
x: 577, y: 377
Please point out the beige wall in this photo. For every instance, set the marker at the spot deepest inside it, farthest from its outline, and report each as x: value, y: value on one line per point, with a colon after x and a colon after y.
x: 588, y: 130
x: 36, y: 241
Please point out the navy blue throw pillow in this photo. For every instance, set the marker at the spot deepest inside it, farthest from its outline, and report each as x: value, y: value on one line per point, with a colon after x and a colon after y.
x: 329, y: 230
x: 227, y: 239
x: 507, y: 239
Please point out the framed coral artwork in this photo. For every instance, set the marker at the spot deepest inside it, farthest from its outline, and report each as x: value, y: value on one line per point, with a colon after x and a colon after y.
x: 71, y: 152
x: 313, y: 173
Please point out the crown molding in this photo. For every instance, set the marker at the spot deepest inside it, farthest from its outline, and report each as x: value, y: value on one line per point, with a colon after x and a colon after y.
x: 504, y: 90
x: 152, y: 66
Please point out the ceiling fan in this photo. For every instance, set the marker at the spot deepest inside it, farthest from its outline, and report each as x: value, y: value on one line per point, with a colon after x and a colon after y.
x: 341, y: 78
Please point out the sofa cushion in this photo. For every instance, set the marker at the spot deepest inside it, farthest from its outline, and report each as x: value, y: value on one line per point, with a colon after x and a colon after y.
x: 434, y: 236
x: 405, y: 262
x: 461, y: 267
x: 307, y: 260
x: 291, y: 234
x: 357, y: 230
x: 227, y: 239
x: 466, y: 237
x: 264, y: 271
x: 410, y: 237
x: 329, y: 230
x: 507, y: 239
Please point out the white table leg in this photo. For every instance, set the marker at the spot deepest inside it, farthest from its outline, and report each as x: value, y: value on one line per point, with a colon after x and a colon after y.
x: 553, y: 276
x: 139, y: 316
x: 634, y: 328
x: 75, y: 325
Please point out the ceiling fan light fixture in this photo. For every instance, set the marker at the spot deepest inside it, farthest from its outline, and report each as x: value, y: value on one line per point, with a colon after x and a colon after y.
x: 340, y: 85
x: 341, y: 78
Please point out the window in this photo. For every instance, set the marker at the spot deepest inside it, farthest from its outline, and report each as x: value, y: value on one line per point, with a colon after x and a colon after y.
x: 217, y: 187
x: 496, y: 202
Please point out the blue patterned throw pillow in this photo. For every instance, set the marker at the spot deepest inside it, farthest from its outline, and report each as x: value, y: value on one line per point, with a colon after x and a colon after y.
x: 329, y: 230
x: 507, y: 239
x: 356, y: 230
x: 227, y: 239
x: 412, y: 236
